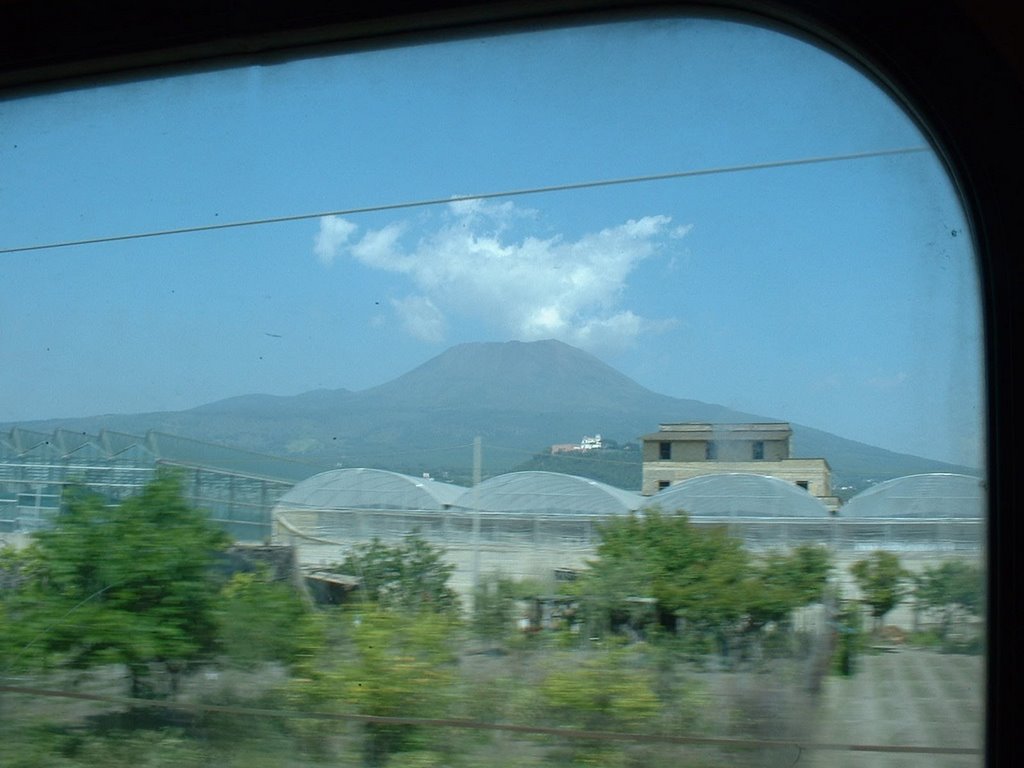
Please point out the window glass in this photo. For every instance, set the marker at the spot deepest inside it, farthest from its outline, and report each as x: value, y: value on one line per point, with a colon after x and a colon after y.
x: 368, y: 310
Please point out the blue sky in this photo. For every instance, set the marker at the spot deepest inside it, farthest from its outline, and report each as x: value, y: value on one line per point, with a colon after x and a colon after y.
x: 841, y: 296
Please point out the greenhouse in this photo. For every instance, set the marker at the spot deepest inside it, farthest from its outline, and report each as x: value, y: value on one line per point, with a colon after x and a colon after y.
x: 535, y: 524
x: 932, y: 512
x: 519, y: 524
x: 766, y: 512
x: 920, y: 513
x: 548, y: 493
x: 928, y: 497
x: 738, y: 494
x: 519, y: 507
x: 238, y: 488
x: 346, y: 504
x: 368, y: 489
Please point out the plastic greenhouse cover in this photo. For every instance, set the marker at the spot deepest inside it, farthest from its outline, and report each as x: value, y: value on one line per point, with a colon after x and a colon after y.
x: 738, y: 494
x: 920, y: 496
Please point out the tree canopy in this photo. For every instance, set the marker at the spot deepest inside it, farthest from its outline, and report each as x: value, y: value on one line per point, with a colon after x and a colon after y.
x: 411, y: 575
x: 950, y: 588
x: 127, y: 583
x: 882, y: 582
x: 697, y: 575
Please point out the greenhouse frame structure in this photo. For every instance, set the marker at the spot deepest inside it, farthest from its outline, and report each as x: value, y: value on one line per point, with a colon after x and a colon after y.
x: 535, y: 524
x: 238, y: 488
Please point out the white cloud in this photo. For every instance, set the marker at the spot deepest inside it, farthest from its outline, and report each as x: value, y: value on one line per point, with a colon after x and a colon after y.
x: 420, y: 317
x: 482, y: 213
x: 333, y: 235
x: 533, y: 287
x: 378, y: 249
x: 615, y: 331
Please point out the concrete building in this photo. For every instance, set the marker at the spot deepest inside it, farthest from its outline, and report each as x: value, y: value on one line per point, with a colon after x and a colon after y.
x: 680, y: 451
x: 586, y: 444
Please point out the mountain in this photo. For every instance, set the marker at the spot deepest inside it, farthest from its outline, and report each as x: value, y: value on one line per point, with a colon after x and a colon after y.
x: 519, y: 397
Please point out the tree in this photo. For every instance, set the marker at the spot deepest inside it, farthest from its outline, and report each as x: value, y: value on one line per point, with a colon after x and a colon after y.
x: 700, y: 578
x: 17, y: 569
x: 128, y: 583
x: 694, y: 574
x: 494, y: 600
x: 260, y: 619
x: 411, y: 575
x: 782, y: 583
x: 950, y: 588
x: 882, y: 583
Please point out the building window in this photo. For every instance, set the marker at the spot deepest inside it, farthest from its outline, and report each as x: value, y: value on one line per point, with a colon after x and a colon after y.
x: 665, y: 451
x: 804, y: 484
x: 758, y: 450
x: 711, y: 450
x: 662, y: 484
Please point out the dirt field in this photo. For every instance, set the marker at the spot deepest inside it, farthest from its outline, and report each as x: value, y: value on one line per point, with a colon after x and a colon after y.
x: 906, y: 697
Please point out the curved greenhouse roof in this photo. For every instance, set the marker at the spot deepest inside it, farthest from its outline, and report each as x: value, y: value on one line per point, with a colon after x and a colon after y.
x: 353, y: 488
x: 738, y: 494
x: 548, y: 493
x: 921, y: 497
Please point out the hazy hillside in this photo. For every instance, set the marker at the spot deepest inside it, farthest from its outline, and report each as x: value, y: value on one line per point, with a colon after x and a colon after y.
x: 518, y: 397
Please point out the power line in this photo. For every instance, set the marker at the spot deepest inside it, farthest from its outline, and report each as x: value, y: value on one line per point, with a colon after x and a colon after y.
x: 460, y: 198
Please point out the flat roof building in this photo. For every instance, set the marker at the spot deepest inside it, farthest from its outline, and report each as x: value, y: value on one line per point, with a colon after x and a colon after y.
x: 680, y: 451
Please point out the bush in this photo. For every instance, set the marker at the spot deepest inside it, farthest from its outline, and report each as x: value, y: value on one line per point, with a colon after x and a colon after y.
x: 260, y: 620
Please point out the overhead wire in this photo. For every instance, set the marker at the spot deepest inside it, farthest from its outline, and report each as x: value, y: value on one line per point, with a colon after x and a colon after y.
x: 397, y: 206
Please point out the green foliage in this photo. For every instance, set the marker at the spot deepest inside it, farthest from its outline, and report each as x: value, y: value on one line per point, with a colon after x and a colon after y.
x: 692, y: 573
x: 17, y: 571
x: 609, y: 690
x: 260, y: 620
x: 494, y: 603
x: 950, y: 589
x: 698, y: 576
x: 882, y: 581
x: 128, y: 584
x: 849, y: 638
x: 164, y: 748
x: 605, y: 691
x: 780, y: 583
x: 409, y: 576
x: 389, y: 664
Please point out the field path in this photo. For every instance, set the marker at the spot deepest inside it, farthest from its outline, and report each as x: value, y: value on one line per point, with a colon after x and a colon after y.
x: 904, y: 698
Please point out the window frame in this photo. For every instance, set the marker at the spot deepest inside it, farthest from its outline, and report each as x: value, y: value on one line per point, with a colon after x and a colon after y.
x: 954, y: 63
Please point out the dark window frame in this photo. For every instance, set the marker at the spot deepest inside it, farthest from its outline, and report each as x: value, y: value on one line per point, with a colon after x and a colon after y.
x: 957, y: 63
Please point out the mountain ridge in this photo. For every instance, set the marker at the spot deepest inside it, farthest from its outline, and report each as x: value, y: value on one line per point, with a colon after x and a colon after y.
x: 519, y: 397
